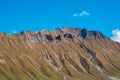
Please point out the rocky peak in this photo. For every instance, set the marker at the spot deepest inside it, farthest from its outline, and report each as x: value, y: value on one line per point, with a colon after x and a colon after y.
x: 83, y: 33
x: 25, y: 32
x: 27, y: 37
x: 59, y: 31
x: 74, y: 31
x: 96, y: 34
x: 70, y: 30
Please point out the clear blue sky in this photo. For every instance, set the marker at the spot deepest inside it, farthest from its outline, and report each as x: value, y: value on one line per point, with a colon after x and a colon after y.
x: 34, y: 15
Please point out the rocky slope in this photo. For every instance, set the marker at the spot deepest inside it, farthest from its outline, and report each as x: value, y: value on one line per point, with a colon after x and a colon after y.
x: 63, y: 54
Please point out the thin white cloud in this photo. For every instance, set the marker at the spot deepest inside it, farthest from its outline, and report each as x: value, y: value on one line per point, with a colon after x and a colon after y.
x: 116, y: 35
x: 15, y: 31
x: 83, y: 13
x: 75, y: 14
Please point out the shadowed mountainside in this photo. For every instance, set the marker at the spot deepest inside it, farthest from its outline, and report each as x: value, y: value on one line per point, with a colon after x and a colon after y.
x: 63, y: 54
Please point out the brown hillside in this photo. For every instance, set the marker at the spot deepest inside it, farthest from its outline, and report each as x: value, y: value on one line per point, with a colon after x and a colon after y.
x: 63, y: 54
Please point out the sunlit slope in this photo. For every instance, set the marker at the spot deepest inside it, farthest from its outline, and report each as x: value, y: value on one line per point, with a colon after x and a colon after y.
x: 64, y: 54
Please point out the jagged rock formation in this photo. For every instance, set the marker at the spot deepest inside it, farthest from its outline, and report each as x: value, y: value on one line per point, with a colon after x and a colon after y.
x: 63, y: 54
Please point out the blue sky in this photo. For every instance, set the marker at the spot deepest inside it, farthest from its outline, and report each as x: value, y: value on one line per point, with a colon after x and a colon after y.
x: 34, y: 15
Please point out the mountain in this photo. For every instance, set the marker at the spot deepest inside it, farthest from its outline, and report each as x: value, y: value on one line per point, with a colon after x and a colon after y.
x: 63, y: 54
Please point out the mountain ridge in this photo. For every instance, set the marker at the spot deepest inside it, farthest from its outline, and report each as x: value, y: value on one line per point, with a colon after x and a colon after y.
x: 76, y: 32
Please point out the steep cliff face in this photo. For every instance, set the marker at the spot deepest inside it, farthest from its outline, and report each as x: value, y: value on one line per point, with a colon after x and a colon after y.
x: 63, y: 54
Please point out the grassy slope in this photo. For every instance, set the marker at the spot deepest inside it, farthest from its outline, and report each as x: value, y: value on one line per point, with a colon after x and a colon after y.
x: 25, y: 63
